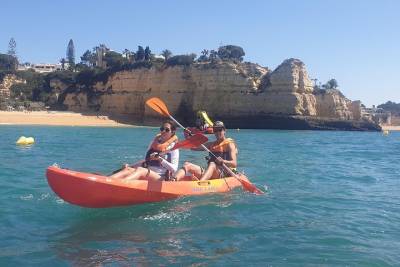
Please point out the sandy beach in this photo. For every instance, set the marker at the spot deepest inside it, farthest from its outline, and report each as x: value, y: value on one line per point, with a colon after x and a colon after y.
x: 391, y: 128
x: 57, y: 118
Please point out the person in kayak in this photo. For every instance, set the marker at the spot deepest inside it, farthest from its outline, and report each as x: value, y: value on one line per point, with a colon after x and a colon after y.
x: 201, y: 123
x: 159, y: 163
x: 225, y: 151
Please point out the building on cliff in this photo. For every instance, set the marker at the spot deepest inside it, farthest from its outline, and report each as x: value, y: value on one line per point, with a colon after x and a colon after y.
x: 378, y: 115
x: 43, y: 67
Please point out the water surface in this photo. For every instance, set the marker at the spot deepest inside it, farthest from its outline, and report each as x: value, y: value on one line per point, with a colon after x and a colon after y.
x: 333, y: 199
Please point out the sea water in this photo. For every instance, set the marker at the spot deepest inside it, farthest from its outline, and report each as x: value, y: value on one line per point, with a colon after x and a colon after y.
x: 332, y: 199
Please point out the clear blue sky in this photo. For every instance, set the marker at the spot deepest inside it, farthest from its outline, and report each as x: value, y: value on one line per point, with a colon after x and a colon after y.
x: 355, y: 42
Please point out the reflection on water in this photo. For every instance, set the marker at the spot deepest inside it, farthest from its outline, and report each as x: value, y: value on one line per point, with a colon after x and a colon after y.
x: 24, y: 148
x: 161, y: 233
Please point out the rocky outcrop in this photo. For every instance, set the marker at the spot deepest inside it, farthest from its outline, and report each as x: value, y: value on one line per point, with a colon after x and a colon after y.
x: 332, y: 104
x: 239, y: 93
x: 8, y: 81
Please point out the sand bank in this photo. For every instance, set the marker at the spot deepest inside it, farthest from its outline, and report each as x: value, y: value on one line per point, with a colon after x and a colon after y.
x: 57, y: 118
x: 391, y: 128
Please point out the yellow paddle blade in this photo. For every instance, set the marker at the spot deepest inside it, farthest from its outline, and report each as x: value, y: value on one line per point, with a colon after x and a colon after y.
x: 206, y: 118
x: 158, y: 106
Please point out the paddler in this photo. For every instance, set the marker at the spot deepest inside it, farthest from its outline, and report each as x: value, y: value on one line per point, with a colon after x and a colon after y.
x: 225, y: 151
x: 201, y: 123
x: 160, y: 163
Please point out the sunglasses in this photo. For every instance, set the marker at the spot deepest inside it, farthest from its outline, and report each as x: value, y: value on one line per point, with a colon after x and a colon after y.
x: 218, y: 129
x: 162, y: 129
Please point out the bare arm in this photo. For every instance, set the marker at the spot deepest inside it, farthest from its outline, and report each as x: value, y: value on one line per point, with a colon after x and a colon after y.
x: 233, y: 155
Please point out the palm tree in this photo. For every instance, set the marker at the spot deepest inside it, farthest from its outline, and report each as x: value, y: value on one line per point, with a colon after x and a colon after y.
x: 205, y: 52
x: 166, y: 54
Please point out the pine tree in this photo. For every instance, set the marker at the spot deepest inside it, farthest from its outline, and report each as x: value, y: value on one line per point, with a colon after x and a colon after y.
x: 71, y: 53
x: 12, y: 48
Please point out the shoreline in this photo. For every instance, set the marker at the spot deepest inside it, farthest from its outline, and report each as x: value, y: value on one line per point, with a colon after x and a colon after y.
x: 58, y: 118
x: 70, y: 118
x: 391, y: 128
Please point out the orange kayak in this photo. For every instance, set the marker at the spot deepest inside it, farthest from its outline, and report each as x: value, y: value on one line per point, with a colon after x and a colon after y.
x: 97, y: 191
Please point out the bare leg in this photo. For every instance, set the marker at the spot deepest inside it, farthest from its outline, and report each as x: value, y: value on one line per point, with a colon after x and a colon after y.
x: 123, y: 173
x: 188, y: 168
x: 143, y: 174
x: 211, y: 172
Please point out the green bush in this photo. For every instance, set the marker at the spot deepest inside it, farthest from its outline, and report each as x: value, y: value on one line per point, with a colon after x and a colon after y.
x: 33, y: 88
x: 8, y: 63
x: 65, y: 76
x: 231, y: 52
x: 114, y: 59
x: 183, y: 60
x: 391, y: 106
x: 86, y: 77
x: 3, y: 74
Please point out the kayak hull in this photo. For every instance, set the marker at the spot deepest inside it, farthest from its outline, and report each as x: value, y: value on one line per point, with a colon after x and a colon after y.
x: 97, y: 191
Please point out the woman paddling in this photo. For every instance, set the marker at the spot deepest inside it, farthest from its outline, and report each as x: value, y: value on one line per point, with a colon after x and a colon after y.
x: 159, y: 163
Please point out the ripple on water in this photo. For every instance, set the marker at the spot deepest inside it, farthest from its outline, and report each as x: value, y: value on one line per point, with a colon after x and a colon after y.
x: 332, y: 199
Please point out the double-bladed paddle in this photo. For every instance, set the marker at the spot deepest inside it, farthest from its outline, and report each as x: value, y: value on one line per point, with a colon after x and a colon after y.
x: 159, y: 106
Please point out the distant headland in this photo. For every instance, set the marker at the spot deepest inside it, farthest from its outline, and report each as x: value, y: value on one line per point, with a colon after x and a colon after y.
x: 243, y: 94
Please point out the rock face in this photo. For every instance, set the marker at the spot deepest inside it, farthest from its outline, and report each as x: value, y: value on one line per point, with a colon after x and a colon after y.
x: 8, y: 81
x: 58, y: 87
x: 238, y: 93
x: 332, y: 104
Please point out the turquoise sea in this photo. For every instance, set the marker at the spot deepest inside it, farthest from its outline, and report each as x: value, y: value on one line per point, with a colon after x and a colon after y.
x: 333, y: 199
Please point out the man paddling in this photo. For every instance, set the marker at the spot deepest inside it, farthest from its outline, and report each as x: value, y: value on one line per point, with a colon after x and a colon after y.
x: 225, y: 152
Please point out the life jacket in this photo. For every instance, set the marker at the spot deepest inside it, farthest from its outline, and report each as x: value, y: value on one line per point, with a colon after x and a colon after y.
x: 221, y: 149
x: 158, y: 147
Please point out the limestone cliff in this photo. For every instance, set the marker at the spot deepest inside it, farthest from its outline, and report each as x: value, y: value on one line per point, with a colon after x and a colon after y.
x: 239, y: 93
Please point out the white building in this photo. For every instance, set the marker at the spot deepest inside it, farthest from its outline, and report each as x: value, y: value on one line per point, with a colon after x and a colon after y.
x: 43, y: 67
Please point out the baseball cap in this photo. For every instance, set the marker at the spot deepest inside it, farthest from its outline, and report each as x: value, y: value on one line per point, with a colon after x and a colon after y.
x: 219, y: 124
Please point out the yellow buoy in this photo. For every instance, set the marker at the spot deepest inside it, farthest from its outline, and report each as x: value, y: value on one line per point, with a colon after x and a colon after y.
x: 385, y: 132
x: 25, y: 141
